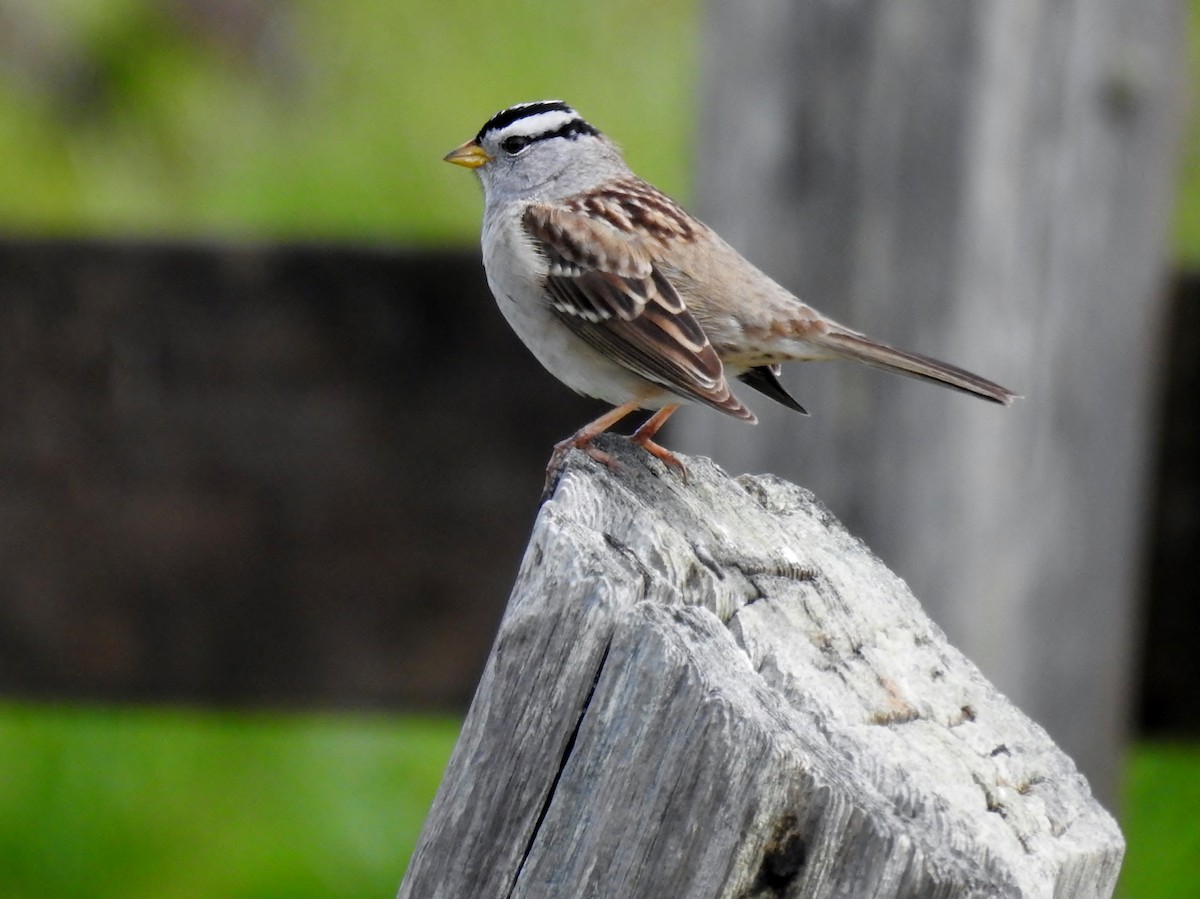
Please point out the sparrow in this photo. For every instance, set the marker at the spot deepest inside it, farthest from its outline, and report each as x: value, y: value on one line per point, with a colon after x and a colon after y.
x: 624, y: 296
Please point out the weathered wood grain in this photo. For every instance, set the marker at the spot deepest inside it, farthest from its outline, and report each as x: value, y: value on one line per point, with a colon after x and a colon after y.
x: 989, y: 183
x: 713, y: 690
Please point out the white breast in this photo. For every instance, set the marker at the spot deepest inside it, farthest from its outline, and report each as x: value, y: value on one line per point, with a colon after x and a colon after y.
x: 514, y: 273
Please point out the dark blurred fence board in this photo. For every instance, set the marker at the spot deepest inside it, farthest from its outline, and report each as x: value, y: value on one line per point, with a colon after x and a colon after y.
x: 260, y: 474
x: 304, y: 474
x: 1170, y: 682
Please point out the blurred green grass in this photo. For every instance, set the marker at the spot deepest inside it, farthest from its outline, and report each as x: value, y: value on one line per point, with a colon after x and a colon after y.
x: 1186, y: 225
x: 136, y: 802
x: 320, y: 120
x: 1162, y: 829
x: 132, y: 802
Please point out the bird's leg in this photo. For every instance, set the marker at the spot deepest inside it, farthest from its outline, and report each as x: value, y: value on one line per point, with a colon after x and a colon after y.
x: 582, y: 439
x: 642, y: 437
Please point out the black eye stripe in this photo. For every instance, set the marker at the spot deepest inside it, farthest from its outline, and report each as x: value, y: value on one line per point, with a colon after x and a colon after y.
x: 570, y: 130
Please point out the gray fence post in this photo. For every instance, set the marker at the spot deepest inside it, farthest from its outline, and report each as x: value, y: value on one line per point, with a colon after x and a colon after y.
x: 714, y: 690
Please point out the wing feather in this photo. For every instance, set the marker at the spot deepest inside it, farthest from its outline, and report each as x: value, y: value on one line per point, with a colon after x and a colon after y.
x: 606, y: 287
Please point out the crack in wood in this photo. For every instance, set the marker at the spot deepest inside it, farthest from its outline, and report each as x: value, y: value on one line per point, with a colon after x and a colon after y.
x: 784, y: 857
x: 704, y: 557
x: 562, y: 764
x: 626, y: 552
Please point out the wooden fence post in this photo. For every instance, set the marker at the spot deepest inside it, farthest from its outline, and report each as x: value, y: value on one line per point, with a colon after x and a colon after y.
x: 714, y: 690
x: 989, y: 183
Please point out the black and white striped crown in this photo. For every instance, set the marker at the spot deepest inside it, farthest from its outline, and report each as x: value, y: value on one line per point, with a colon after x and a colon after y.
x: 540, y: 120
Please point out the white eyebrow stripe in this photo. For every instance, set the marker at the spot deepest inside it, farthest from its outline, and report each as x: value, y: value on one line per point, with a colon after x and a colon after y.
x: 540, y: 123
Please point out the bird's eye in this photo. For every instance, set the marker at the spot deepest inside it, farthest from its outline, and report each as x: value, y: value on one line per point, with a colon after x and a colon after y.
x: 515, y: 144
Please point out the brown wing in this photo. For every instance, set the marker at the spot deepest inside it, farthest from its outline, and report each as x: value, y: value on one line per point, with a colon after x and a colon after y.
x: 606, y: 288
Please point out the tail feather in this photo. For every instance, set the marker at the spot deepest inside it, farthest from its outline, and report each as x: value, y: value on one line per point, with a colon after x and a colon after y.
x: 765, y: 379
x: 848, y: 345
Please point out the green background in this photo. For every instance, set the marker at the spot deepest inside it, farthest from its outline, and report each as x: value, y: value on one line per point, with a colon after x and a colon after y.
x: 131, y: 802
x: 326, y: 121
x: 330, y: 125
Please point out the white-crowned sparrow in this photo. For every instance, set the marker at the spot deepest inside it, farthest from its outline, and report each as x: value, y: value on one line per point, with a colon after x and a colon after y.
x: 624, y: 296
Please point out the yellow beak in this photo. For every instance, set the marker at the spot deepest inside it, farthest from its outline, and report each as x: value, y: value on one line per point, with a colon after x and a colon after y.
x: 470, y: 155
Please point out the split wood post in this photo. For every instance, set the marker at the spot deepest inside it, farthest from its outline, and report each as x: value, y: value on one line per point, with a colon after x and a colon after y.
x: 712, y: 689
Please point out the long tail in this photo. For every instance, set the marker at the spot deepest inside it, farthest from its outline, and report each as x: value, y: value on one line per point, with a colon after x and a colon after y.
x: 848, y: 345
